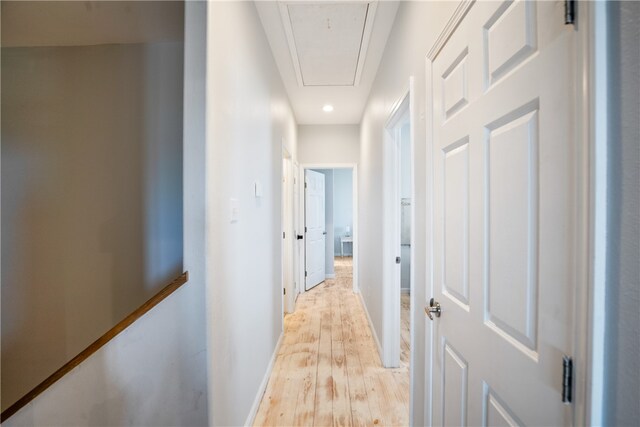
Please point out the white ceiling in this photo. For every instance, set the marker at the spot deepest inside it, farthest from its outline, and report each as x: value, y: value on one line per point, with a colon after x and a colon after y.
x: 327, y: 52
x: 325, y: 41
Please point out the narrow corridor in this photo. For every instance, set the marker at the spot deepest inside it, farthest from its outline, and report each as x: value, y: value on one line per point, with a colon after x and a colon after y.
x: 328, y: 371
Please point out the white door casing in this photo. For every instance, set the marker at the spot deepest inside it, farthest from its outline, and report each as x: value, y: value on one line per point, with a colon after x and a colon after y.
x: 315, y: 233
x: 287, y: 236
x: 504, y: 190
x: 298, y: 223
x: 401, y: 115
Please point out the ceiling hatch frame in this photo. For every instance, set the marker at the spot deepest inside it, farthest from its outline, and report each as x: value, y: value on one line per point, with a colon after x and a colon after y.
x: 283, y: 6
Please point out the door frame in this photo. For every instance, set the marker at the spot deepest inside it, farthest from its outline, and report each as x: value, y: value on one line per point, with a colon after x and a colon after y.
x: 302, y: 261
x: 403, y: 108
x: 298, y: 246
x: 591, y: 142
x: 286, y: 226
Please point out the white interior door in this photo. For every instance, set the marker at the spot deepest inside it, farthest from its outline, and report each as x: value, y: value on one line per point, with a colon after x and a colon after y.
x: 504, y: 192
x: 315, y: 234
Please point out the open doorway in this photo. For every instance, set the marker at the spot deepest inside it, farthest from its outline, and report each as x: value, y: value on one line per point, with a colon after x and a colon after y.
x: 329, y: 217
x: 398, y: 235
x: 329, y: 214
x: 405, y: 242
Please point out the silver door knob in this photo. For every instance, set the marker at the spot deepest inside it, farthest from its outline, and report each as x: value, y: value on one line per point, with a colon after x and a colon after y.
x: 433, y: 309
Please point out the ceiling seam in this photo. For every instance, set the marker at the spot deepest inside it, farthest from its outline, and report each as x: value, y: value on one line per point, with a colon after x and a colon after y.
x: 364, y: 26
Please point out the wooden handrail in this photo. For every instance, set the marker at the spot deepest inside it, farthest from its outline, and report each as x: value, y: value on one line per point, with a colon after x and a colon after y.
x: 95, y: 346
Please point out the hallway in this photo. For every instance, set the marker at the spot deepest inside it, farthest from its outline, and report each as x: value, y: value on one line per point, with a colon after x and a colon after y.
x: 327, y: 370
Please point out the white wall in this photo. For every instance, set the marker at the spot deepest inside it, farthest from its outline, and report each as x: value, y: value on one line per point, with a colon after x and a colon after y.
x: 91, y: 196
x: 248, y: 114
x: 154, y: 372
x: 416, y: 27
x: 73, y: 23
x: 328, y: 144
x: 342, y: 208
x: 622, y: 360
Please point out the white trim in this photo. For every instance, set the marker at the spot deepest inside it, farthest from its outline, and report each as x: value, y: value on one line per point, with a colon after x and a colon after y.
x: 413, y: 110
x: 450, y: 27
x: 293, y: 50
x: 288, y: 300
x: 402, y: 109
x: 591, y: 130
x: 263, y: 385
x: 288, y: 32
x: 366, y: 38
x: 300, y: 230
x: 297, y: 245
x: 354, y: 168
x: 373, y: 330
x: 429, y: 281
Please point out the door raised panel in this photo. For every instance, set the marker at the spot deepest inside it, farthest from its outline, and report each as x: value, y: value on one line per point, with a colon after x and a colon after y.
x: 496, y: 412
x: 509, y: 38
x: 455, y: 283
x: 505, y: 218
x: 314, y: 213
x: 511, y: 155
x: 454, y: 85
x: 455, y: 377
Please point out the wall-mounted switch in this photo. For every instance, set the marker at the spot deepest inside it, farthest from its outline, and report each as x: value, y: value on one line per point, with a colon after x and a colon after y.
x: 234, y: 210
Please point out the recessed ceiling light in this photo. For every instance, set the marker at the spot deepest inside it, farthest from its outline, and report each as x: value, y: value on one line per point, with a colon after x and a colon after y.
x: 327, y: 108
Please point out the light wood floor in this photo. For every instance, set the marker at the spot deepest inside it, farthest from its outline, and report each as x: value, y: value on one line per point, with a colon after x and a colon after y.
x: 327, y: 370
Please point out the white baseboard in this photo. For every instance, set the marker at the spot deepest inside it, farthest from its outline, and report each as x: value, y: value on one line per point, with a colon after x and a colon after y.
x: 330, y: 276
x: 373, y: 330
x: 405, y: 290
x: 263, y: 385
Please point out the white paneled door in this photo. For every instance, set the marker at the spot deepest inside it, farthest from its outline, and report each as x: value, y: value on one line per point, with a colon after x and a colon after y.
x: 504, y: 207
x: 315, y: 234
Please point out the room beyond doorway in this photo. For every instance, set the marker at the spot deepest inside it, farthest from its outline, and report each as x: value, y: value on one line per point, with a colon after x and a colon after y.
x: 329, y: 221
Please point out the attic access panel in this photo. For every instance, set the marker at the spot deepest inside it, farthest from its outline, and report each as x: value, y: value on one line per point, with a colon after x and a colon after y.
x: 328, y: 41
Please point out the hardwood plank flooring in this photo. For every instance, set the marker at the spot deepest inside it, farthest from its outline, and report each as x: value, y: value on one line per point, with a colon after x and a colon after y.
x: 327, y: 371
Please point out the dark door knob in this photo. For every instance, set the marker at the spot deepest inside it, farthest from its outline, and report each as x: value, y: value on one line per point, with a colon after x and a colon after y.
x: 299, y: 237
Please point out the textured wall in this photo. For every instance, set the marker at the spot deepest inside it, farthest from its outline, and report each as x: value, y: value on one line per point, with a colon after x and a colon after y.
x: 91, y: 196
x: 622, y: 369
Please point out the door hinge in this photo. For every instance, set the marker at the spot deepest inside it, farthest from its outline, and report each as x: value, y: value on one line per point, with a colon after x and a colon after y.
x: 398, y: 260
x: 305, y: 229
x: 305, y: 185
x: 569, y: 12
x: 305, y: 273
x: 284, y: 291
x: 567, y: 379
x: 283, y: 235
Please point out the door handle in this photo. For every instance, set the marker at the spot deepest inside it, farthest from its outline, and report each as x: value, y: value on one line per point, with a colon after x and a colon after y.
x: 434, y: 307
x: 324, y: 233
x: 299, y: 237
